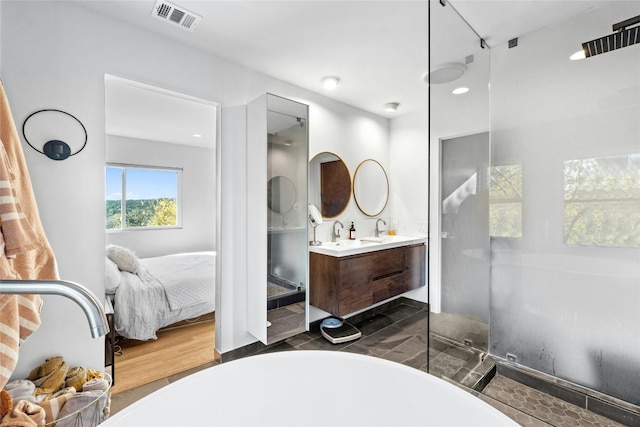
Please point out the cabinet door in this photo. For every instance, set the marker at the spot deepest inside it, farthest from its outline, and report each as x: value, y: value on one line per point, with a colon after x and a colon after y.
x: 355, y: 284
x: 415, y: 272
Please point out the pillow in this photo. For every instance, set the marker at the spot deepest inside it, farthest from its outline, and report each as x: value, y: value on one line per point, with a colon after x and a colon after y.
x: 112, y: 276
x: 124, y: 258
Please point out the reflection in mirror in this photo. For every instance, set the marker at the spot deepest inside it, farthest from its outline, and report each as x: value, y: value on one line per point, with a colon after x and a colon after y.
x: 329, y: 184
x: 281, y: 194
x: 370, y: 187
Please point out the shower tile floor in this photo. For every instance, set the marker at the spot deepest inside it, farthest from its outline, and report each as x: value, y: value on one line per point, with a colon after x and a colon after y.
x: 400, y: 334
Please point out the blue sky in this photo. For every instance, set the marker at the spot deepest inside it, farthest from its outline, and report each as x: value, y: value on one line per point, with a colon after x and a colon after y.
x: 141, y: 184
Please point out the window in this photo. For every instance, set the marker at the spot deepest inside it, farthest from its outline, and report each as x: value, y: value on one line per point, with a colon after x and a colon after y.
x: 602, y: 201
x: 142, y: 197
x: 505, y: 201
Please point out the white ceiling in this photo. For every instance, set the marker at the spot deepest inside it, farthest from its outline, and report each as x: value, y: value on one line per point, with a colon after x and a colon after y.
x: 378, y: 48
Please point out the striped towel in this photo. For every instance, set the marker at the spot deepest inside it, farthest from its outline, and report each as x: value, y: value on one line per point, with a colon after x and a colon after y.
x: 24, y: 250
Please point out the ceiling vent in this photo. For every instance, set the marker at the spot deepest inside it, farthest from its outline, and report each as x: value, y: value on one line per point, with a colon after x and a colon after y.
x: 177, y: 15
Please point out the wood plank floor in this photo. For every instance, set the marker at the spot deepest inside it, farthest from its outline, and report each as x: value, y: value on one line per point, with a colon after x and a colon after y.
x: 176, y: 350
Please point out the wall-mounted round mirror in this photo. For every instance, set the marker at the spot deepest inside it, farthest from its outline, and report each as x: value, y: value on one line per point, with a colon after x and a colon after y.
x: 370, y: 187
x: 281, y: 194
x: 329, y: 184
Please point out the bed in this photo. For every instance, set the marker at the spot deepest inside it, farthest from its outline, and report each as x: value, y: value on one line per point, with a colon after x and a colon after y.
x: 151, y: 293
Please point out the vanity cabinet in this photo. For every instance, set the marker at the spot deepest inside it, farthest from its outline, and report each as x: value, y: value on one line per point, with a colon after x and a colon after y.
x: 343, y: 285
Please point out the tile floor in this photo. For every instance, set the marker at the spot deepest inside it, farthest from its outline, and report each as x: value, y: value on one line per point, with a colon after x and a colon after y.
x: 400, y: 334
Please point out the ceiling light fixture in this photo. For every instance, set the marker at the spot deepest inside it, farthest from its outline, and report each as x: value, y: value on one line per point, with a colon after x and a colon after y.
x: 578, y: 55
x: 460, y: 90
x: 330, y: 82
x: 197, y: 135
x: 391, y: 106
x: 445, y: 73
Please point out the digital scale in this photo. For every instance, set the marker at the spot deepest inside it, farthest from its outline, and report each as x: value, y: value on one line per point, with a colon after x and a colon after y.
x: 338, y: 332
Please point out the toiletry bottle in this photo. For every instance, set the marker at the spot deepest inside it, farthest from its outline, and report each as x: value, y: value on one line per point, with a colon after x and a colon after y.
x: 352, y: 232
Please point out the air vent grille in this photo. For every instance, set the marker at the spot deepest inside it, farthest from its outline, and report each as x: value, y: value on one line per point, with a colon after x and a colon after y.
x: 177, y: 15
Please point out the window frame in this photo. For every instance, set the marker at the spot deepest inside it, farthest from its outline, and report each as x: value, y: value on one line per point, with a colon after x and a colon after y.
x: 123, y: 198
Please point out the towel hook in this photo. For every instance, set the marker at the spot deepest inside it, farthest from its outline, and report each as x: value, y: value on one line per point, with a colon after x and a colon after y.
x: 55, y: 149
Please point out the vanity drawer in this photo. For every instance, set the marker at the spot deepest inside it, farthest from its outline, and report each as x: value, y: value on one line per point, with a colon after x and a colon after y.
x: 388, y: 286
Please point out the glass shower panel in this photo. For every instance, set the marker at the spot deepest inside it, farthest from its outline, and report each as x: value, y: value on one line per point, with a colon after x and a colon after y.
x: 287, y: 155
x: 459, y: 261
x: 565, y: 293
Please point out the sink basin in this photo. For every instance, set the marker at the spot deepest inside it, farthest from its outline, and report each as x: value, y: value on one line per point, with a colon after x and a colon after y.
x: 363, y: 245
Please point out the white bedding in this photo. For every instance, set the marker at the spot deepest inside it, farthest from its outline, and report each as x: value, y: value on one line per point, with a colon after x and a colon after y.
x: 165, y: 290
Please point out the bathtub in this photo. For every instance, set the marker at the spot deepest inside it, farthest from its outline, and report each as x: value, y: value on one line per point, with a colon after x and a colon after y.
x: 321, y: 388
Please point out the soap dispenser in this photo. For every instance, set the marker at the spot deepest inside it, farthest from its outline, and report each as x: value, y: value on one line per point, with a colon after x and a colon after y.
x: 352, y: 232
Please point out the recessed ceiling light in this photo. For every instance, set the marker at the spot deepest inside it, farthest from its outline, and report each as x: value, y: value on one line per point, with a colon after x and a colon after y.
x: 391, y: 106
x: 578, y: 55
x: 460, y: 90
x: 330, y: 82
x: 197, y: 135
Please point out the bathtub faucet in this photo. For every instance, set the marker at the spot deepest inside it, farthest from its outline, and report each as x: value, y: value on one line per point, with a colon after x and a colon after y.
x: 336, y: 231
x: 77, y: 293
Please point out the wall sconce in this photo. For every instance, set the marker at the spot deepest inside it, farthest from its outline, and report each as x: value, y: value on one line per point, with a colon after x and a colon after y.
x: 55, y: 149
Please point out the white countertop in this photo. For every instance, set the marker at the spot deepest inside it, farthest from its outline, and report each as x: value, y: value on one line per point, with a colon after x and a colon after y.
x: 363, y: 245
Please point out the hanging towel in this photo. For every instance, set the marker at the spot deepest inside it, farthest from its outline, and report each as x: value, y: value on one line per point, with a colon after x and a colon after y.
x: 25, y: 252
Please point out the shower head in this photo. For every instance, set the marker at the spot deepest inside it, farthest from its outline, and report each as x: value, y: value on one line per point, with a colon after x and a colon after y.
x: 623, y: 37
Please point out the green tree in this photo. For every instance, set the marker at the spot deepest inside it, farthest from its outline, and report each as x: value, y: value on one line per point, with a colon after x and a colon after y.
x: 165, y: 213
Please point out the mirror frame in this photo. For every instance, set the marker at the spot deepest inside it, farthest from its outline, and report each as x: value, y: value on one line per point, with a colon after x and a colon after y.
x: 355, y: 196
x: 348, y: 186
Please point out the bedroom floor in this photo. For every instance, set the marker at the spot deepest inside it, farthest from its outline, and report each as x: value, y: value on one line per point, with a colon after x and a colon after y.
x: 400, y: 334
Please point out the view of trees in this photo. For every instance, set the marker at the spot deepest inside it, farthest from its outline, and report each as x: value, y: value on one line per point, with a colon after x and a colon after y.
x: 602, y: 201
x: 505, y: 201
x: 142, y: 213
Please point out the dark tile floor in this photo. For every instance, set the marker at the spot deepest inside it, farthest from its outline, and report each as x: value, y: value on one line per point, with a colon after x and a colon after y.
x: 400, y: 334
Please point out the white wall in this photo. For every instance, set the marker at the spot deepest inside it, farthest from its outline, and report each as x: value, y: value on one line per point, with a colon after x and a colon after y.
x: 59, y: 61
x: 198, y: 197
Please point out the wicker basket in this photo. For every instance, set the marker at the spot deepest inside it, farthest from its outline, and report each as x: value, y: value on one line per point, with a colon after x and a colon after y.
x: 92, y: 414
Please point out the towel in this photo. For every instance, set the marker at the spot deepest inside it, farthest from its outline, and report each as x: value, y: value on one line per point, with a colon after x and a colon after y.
x: 21, y: 390
x: 6, y: 403
x: 24, y: 414
x: 25, y: 252
x: 49, y: 377
x: 79, y: 375
x: 53, y: 406
x: 30, y: 255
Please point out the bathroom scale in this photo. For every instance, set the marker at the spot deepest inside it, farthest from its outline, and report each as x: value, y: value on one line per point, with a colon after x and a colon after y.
x: 337, y: 331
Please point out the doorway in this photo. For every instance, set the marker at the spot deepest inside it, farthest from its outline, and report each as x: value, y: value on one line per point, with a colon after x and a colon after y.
x: 464, y: 241
x: 152, y: 132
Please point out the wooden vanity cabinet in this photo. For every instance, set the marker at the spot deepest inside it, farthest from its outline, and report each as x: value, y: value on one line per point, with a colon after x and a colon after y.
x: 343, y: 285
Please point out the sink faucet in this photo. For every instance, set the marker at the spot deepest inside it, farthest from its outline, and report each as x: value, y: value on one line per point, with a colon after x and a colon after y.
x: 336, y: 231
x: 378, y: 230
x: 79, y: 294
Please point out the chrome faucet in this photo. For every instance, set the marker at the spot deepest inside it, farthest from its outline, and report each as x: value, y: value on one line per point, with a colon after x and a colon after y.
x: 79, y: 294
x: 378, y: 230
x: 336, y: 232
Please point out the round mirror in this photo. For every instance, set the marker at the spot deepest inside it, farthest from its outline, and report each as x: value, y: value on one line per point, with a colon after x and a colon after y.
x: 370, y: 187
x: 281, y: 194
x: 329, y: 184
